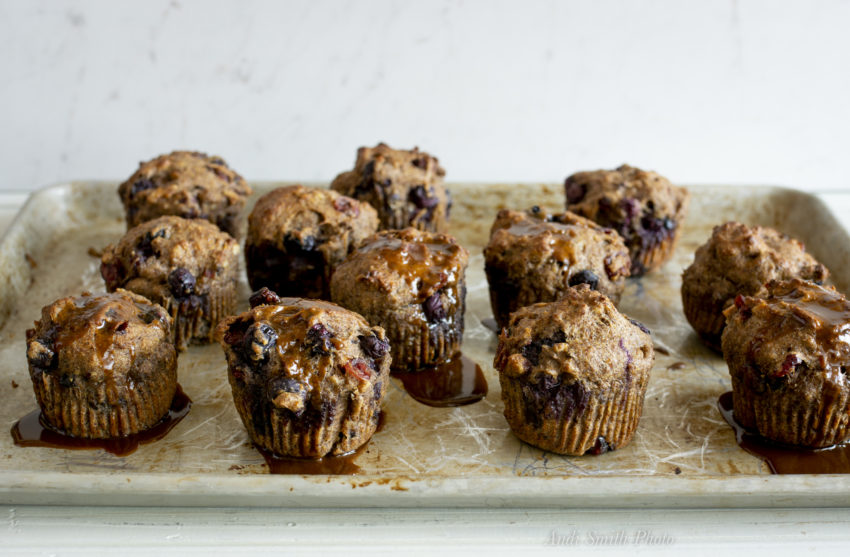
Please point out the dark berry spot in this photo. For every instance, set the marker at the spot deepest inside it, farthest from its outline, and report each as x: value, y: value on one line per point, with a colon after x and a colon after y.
x: 640, y: 326
x: 531, y: 351
x: 373, y: 346
x: 111, y: 273
x: 421, y: 162
x: 587, y: 277
x: 669, y: 224
x: 318, y: 340
x: 263, y: 297
x: 40, y: 356
x: 535, y: 210
x: 141, y: 185
x: 293, y: 245
x: 145, y: 247
x: 358, y: 368
x: 433, y: 308
x: 66, y: 380
x: 347, y: 206
x: 419, y: 197
x: 122, y: 327
x: 601, y: 446
x: 181, y: 282
x: 575, y: 191
x: 287, y: 385
x: 791, y: 362
x: 259, y: 340
x: 631, y: 209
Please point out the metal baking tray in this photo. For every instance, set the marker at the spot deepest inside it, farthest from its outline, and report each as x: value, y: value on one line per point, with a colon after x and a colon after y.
x: 683, y: 454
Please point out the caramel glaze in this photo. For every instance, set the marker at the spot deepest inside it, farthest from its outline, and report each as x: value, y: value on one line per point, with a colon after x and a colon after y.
x: 342, y: 465
x: 427, y: 263
x: 783, y: 459
x: 456, y: 382
x: 33, y: 431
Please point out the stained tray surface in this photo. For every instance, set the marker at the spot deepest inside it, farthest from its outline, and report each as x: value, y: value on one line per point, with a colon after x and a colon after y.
x: 423, y: 455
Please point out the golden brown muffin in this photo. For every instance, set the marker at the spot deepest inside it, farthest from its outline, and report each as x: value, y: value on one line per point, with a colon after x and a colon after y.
x: 738, y: 259
x: 102, y: 366
x: 412, y: 284
x: 308, y: 377
x: 574, y: 373
x: 189, y: 267
x: 405, y: 187
x: 186, y: 184
x: 297, y: 236
x: 643, y: 207
x: 788, y: 352
x: 534, y: 257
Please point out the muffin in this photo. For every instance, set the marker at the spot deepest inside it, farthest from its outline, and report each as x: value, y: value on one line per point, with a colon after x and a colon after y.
x: 788, y: 353
x: 405, y: 187
x: 534, y: 257
x: 307, y: 376
x: 736, y: 260
x: 185, y: 184
x: 297, y: 236
x: 412, y: 284
x: 643, y: 207
x: 189, y: 267
x: 102, y: 366
x: 574, y: 373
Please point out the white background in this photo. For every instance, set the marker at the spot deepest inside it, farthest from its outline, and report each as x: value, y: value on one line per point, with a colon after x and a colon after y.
x: 740, y: 91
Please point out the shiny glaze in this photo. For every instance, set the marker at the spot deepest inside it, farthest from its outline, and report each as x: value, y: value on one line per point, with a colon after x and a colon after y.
x: 426, y: 262
x: 456, y: 382
x: 784, y: 459
x: 32, y: 431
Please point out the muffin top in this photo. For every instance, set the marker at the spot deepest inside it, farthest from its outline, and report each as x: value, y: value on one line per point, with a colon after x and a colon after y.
x: 299, y: 352
x: 793, y: 334
x: 580, y: 338
x: 738, y: 259
x: 171, y: 256
x: 525, y: 240
x: 397, y: 181
x: 184, y: 183
x: 625, y: 195
x: 311, y: 218
x: 97, y: 337
x: 401, y: 267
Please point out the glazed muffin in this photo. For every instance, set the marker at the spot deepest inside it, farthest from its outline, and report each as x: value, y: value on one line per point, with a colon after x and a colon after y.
x: 307, y: 376
x: 738, y: 259
x: 102, y: 366
x: 189, y: 267
x: 574, y: 373
x: 405, y: 187
x: 788, y: 353
x: 535, y: 257
x: 643, y: 207
x: 297, y: 236
x: 412, y: 284
x: 185, y: 184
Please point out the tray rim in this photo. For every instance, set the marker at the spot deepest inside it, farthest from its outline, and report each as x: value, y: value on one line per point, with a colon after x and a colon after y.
x: 608, y: 491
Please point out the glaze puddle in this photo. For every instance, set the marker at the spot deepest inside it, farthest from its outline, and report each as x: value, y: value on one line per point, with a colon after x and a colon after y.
x: 32, y: 431
x: 456, y: 382
x: 782, y: 459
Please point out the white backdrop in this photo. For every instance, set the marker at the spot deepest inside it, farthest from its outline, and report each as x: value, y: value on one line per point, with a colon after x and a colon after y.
x: 740, y: 91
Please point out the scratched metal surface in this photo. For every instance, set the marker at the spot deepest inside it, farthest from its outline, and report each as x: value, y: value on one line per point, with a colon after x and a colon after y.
x: 681, y: 433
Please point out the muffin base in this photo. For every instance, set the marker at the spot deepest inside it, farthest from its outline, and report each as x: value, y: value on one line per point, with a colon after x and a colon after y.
x: 105, y: 413
x: 583, y: 423
x: 195, y: 317
x: 707, y: 323
x: 783, y: 419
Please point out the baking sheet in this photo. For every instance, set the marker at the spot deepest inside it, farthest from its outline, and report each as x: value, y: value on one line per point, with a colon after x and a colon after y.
x: 682, y: 454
